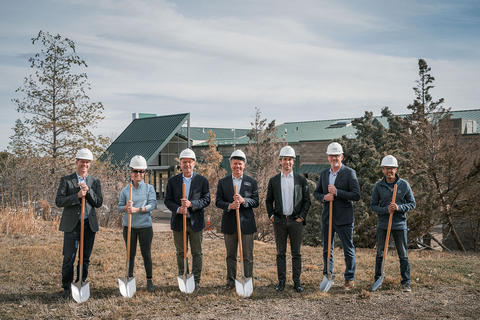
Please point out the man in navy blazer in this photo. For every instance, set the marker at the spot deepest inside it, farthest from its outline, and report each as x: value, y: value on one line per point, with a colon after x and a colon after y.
x: 71, y: 190
x: 287, y: 202
x: 197, y: 199
x: 338, y: 184
x: 245, y: 201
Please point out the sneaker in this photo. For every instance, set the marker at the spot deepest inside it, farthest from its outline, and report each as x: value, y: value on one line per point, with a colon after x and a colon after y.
x: 348, y: 285
x: 150, y: 286
x: 406, y: 287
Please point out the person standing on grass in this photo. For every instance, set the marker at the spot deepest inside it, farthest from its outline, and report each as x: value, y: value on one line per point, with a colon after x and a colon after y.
x: 287, y: 202
x: 144, y: 200
x: 338, y: 184
x: 197, y: 199
x: 381, y: 204
x: 71, y: 190
x: 245, y: 200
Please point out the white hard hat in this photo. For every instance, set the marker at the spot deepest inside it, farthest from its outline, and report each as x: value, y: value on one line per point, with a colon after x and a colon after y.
x: 138, y: 162
x: 287, y: 151
x: 334, y: 148
x: 84, y: 154
x: 389, y: 161
x: 187, y: 153
x: 238, y: 154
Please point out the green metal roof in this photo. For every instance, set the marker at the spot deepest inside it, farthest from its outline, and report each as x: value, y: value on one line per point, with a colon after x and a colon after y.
x: 145, y: 137
x: 321, y: 130
x: 313, y: 168
x: 201, y: 133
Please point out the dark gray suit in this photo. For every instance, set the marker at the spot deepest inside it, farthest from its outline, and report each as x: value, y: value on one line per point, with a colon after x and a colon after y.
x: 348, y: 190
x: 225, y: 193
x: 287, y: 226
x: 67, y: 197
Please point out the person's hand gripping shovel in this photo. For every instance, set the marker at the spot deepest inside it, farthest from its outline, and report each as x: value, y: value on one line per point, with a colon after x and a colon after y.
x: 186, y: 281
x: 80, y: 289
x: 379, y: 282
x: 127, y: 285
x: 328, y: 279
x: 244, y: 286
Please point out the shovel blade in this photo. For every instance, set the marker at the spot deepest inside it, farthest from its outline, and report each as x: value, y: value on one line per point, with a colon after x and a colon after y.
x: 327, y: 283
x: 127, y: 286
x: 378, y: 283
x: 186, y: 283
x: 244, y: 287
x: 80, y: 291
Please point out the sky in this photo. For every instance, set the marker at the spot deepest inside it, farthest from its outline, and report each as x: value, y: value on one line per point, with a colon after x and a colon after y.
x: 218, y: 60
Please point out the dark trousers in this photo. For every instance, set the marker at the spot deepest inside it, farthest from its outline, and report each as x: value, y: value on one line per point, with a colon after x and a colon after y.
x: 195, y: 239
x: 284, y: 229
x: 231, y: 244
x: 144, y: 236
x: 71, y: 241
x: 345, y: 233
x: 400, y: 238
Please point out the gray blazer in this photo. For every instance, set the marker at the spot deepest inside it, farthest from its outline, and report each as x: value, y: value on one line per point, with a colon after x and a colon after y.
x: 67, y: 197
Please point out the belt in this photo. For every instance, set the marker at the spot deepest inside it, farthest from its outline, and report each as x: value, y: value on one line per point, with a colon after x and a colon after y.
x: 288, y: 217
x: 86, y: 221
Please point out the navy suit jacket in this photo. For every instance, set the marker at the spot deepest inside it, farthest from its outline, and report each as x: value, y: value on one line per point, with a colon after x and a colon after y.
x: 348, y: 190
x: 67, y: 197
x: 301, y: 198
x: 249, y: 191
x: 199, y: 196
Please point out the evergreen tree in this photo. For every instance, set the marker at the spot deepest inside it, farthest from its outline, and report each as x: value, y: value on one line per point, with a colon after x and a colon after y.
x: 58, y: 116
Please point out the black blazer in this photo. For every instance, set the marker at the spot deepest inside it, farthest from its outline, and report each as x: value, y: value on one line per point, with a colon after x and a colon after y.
x: 301, y: 196
x: 348, y: 190
x: 249, y: 191
x: 199, y: 195
x: 67, y: 197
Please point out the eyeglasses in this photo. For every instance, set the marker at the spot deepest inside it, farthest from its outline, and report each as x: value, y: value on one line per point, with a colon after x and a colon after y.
x: 138, y: 171
x: 389, y: 169
x: 334, y: 156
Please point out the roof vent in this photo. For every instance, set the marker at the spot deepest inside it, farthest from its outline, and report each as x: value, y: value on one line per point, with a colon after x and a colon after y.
x: 340, y: 124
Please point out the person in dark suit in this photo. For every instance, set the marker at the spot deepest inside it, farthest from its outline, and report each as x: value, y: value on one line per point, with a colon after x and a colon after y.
x: 70, y: 192
x: 245, y: 201
x: 338, y: 184
x: 197, y: 199
x: 287, y: 202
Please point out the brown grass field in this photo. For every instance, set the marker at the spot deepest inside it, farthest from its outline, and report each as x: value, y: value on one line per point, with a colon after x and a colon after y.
x: 444, y: 285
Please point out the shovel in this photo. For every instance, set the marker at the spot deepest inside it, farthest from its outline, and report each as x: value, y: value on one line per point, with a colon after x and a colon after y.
x: 81, y: 290
x: 327, y: 281
x: 127, y: 285
x: 244, y: 286
x: 379, y: 282
x: 185, y: 281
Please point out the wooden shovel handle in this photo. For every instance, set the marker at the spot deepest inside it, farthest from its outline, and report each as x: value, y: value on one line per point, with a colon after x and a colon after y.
x: 184, y: 226
x: 390, y: 222
x: 239, y: 230
x: 330, y: 213
x: 129, y: 233
x: 82, y: 225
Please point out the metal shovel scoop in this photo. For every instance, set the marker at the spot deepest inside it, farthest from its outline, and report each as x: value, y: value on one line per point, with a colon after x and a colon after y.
x: 127, y: 285
x: 244, y: 286
x: 379, y: 282
x: 186, y: 281
x: 80, y: 289
x: 328, y: 279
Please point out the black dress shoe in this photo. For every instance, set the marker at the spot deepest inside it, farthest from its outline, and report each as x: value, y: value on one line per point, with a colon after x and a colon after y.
x: 280, y: 286
x: 298, y: 287
x: 66, y: 294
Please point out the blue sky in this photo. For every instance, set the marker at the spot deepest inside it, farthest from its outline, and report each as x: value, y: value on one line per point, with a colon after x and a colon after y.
x: 295, y: 60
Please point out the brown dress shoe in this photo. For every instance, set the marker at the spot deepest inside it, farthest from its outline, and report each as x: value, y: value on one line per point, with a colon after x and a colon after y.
x: 228, y: 287
x: 348, y: 285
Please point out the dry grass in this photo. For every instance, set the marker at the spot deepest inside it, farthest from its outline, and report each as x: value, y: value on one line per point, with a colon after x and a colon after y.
x: 30, y: 280
x: 18, y: 220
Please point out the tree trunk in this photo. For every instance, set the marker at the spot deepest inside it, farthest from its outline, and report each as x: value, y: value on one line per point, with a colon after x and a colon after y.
x: 454, y: 233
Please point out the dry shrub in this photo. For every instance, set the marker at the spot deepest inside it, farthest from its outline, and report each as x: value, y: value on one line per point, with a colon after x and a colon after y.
x: 18, y: 220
